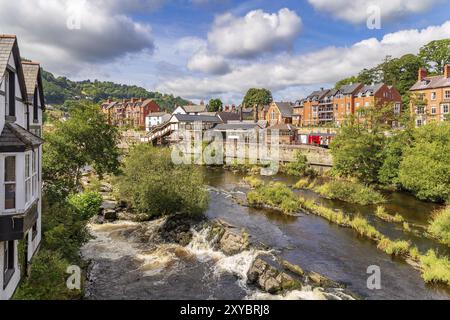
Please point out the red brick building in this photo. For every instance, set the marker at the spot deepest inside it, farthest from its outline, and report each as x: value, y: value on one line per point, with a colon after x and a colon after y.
x: 130, y: 112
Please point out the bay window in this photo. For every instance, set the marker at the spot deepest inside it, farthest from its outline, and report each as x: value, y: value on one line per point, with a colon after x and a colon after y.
x: 27, y: 178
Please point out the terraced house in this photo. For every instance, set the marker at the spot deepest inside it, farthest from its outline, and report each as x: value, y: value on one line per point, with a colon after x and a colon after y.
x: 332, y: 106
x: 431, y: 97
x: 129, y: 112
x: 22, y: 106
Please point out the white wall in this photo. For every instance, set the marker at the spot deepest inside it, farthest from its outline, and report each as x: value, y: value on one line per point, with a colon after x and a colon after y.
x: 7, y: 293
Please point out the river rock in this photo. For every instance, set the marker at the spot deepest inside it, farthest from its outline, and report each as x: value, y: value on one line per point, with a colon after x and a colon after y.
x: 232, y: 243
x: 269, y: 278
x: 109, y: 205
x: 110, y: 214
x: 321, y: 281
x: 177, y: 229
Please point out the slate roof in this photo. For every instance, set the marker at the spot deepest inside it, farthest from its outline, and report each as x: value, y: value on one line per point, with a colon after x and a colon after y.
x: 14, y: 138
x: 194, y: 109
x: 317, y: 94
x: 349, y: 88
x: 283, y: 127
x: 228, y: 116
x: 370, y: 89
x: 157, y: 114
x: 8, y: 46
x: 195, y: 118
x: 431, y: 83
x: 32, y: 76
x: 285, y: 108
x: 237, y: 126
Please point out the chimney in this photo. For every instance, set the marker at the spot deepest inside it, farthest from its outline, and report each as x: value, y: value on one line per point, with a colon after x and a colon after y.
x: 447, y: 71
x: 422, y: 74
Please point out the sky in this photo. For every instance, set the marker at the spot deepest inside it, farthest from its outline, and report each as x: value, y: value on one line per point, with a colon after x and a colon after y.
x: 203, y: 49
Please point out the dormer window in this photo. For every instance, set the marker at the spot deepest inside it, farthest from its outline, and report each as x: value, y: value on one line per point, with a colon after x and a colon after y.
x: 35, y: 105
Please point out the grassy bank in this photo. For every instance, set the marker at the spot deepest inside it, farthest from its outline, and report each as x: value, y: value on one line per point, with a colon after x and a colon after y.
x: 352, y: 192
x: 434, y: 269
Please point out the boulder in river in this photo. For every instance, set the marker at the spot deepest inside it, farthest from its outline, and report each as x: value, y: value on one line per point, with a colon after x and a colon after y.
x: 110, y: 214
x: 268, y: 277
x: 232, y: 243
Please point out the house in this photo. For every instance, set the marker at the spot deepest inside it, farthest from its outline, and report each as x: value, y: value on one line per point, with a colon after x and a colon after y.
x: 430, y: 97
x: 226, y: 117
x: 132, y: 112
x: 287, y: 133
x: 333, y: 106
x: 298, y: 113
x: 279, y: 113
x: 155, y: 119
x: 191, y: 109
x: 22, y: 101
x: 245, y: 131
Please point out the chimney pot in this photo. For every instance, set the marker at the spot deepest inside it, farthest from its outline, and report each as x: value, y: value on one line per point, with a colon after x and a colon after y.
x: 422, y: 74
x: 447, y: 71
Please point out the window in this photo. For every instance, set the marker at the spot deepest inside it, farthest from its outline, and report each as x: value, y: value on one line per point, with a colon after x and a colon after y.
x: 358, y: 104
x: 6, y: 92
x: 445, y: 108
x: 10, y: 93
x: 447, y: 94
x: 366, y: 104
x: 8, y: 262
x: 34, y: 175
x: 34, y: 231
x: 419, y: 122
x: 420, y: 110
x: 397, y: 108
x: 433, y: 110
x: 10, y: 183
x: 35, y: 106
x: 433, y: 96
x: 27, y: 179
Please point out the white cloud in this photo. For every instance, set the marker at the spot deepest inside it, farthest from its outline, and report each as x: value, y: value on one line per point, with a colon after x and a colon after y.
x: 106, y: 31
x: 254, y: 34
x: 355, y: 11
x: 206, y: 63
x: 324, y: 66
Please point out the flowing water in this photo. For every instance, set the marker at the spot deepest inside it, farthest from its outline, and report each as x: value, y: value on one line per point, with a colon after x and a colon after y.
x: 125, y: 265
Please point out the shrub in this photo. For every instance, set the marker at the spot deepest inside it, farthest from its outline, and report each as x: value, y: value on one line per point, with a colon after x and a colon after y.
x: 253, y: 181
x: 275, y: 195
x: 352, y: 192
x: 440, y: 225
x: 304, y: 183
x: 364, y: 228
x: 383, y: 215
x: 47, y: 280
x: 154, y: 185
x: 299, y: 166
x: 86, y: 204
x: 406, y: 227
x: 435, y: 269
x: 395, y: 248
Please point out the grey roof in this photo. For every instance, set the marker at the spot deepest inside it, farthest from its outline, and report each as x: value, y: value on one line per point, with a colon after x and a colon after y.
x: 196, y: 118
x: 228, y: 116
x: 32, y: 75
x: 8, y: 46
x: 237, y: 126
x: 432, y: 83
x: 157, y: 114
x: 319, y: 94
x: 283, y: 126
x: 349, y: 88
x: 331, y: 93
x: 194, y: 109
x: 370, y: 89
x: 14, y: 138
x: 285, y: 108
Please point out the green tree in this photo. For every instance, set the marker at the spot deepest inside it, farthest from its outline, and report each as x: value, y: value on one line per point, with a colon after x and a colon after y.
x: 425, y: 168
x: 260, y: 97
x: 155, y: 186
x: 85, y: 139
x: 215, y: 105
x: 346, y: 81
x: 436, y: 55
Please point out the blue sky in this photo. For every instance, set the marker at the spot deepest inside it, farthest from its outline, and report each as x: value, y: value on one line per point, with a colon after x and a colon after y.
x: 201, y: 49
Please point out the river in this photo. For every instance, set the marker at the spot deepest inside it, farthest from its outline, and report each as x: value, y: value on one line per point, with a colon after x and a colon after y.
x: 125, y: 266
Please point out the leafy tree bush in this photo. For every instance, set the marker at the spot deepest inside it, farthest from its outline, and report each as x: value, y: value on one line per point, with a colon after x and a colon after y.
x: 215, y: 105
x: 260, y: 97
x: 352, y: 192
x: 86, y: 204
x: 154, y: 185
x: 299, y: 167
x: 84, y: 139
x: 440, y: 225
x: 275, y: 195
x: 425, y: 168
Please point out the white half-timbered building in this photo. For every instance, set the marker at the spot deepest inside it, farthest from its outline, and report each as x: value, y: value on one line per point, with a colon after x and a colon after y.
x: 21, y: 110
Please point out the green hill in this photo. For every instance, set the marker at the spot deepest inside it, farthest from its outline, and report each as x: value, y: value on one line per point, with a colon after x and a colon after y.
x: 60, y: 89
